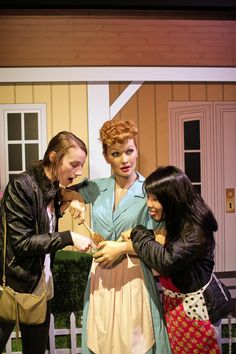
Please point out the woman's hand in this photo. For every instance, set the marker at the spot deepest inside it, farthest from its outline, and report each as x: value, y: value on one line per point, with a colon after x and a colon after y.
x: 109, y: 251
x: 64, y: 206
x: 125, y: 235
x: 81, y: 243
x: 77, y: 210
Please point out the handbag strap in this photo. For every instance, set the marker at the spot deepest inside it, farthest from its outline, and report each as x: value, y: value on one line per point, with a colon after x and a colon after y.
x: 5, y: 252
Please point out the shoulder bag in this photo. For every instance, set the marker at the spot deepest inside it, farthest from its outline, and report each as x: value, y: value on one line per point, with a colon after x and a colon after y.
x: 17, y: 307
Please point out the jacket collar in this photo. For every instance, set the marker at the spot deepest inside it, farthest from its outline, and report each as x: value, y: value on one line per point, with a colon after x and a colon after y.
x: 48, y: 187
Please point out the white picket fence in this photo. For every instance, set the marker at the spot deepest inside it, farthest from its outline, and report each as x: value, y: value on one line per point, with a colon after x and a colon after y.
x: 53, y: 332
x: 73, y: 332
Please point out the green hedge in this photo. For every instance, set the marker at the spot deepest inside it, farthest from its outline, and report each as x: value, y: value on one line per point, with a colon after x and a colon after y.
x: 70, y: 274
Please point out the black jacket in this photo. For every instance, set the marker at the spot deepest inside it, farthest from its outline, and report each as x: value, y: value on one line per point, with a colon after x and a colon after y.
x: 189, y: 261
x: 25, y: 203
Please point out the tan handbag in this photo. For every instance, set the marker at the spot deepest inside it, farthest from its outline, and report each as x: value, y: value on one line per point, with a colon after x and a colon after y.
x: 21, y: 307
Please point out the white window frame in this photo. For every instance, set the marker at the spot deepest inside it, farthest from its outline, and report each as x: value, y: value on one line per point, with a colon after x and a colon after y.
x: 42, y: 138
x: 180, y: 112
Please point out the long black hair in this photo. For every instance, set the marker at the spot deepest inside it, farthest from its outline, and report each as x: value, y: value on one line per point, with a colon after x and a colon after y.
x: 180, y: 200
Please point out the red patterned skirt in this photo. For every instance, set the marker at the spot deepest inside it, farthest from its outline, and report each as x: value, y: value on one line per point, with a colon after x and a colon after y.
x: 189, y: 328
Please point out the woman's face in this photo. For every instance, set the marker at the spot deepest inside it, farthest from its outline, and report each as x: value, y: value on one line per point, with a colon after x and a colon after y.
x: 155, y: 208
x: 122, y: 158
x: 71, y: 166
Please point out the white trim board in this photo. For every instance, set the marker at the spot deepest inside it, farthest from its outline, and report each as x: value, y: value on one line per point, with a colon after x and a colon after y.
x: 101, y: 74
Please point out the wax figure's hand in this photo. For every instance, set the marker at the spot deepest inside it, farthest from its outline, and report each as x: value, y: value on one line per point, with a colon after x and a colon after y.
x: 109, y: 251
x: 125, y: 235
x: 77, y: 210
x: 81, y: 243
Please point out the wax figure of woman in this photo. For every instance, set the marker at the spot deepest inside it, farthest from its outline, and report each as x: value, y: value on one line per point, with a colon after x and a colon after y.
x: 31, y: 205
x: 194, y: 300
x: 122, y: 310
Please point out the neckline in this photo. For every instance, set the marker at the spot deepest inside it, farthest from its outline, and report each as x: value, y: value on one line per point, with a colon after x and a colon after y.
x: 118, y: 187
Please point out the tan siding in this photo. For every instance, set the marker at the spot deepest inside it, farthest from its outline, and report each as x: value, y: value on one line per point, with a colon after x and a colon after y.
x: 130, y: 110
x: 197, y: 92
x: 147, y: 129
x: 229, y: 92
x: 7, y: 94
x: 181, y: 92
x: 163, y: 96
x: 42, y: 94
x: 60, y: 108
x: 23, y: 93
x: 78, y: 110
x: 215, y: 92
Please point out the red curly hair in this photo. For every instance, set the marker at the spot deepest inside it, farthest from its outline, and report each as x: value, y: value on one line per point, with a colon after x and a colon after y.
x: 117, y: 131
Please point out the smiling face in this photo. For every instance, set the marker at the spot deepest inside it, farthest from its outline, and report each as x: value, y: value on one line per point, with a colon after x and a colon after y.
x: 155, y: 208
x: 122, y: 158
x: 71, y: 166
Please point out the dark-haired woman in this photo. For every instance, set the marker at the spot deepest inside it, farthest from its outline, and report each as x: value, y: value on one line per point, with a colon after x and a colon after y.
x: 194, y: 300
x: 31, y: 206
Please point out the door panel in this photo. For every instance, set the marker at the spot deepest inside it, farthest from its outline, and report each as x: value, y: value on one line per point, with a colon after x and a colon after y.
x: 218, y: 165
x: 229, y: 170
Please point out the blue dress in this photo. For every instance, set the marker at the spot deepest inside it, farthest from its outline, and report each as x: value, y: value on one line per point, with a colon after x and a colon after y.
x: 130, y: 211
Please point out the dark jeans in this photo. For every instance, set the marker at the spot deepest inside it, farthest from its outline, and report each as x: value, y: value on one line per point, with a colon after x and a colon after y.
x: 34, y: 337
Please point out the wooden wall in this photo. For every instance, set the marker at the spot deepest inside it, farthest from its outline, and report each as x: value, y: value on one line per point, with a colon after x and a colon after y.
x: 67, y: 110
x: 75, y: 40
x: 149, y: 109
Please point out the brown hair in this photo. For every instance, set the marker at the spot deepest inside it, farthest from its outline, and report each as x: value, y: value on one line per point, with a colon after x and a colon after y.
x: 117, y: 131
x: 61, y: 143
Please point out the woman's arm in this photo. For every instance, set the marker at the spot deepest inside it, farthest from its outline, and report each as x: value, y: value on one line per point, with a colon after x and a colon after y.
x: 170, y: 258
x: 21, y: 208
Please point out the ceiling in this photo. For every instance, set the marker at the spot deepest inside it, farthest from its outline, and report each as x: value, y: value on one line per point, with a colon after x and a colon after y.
x: 121, y: 4
x: 163, y: 8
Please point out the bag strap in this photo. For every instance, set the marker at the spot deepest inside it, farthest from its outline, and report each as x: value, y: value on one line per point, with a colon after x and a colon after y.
x: 4, y: 250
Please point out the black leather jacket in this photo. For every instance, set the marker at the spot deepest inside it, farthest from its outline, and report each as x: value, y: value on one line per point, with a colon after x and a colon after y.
x: 189, y: 261
x: 25, y: 203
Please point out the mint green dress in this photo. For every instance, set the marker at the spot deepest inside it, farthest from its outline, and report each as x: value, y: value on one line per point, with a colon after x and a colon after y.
x: 130, y: 211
